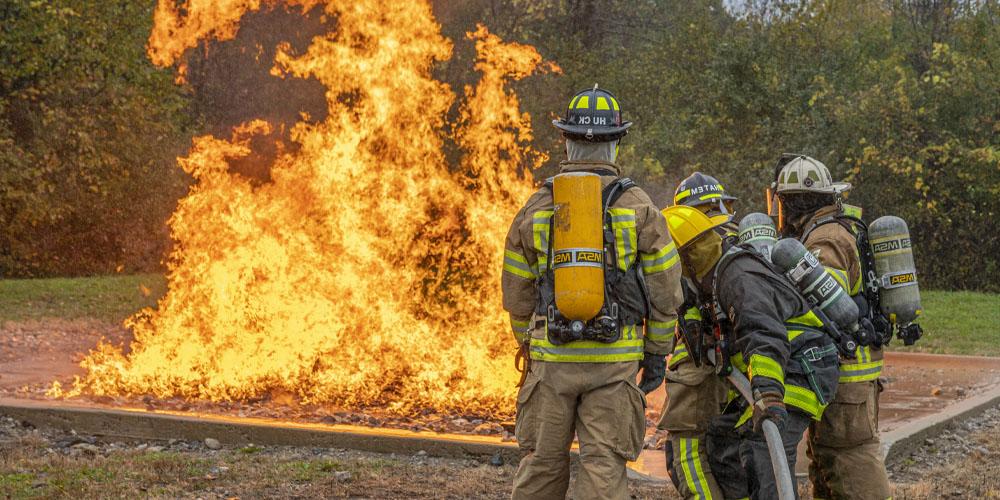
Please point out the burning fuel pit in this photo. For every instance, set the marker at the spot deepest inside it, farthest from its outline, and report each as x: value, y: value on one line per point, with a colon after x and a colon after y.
x: 361, y: 273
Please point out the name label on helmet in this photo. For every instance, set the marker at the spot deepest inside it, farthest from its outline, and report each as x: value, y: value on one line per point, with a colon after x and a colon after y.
x: 593, y: 120
x: 893, y: 245
x: 578, y: 257
x: 707, y: 188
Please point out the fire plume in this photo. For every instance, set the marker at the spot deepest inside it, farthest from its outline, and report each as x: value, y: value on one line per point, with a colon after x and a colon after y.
x: 366, y: 273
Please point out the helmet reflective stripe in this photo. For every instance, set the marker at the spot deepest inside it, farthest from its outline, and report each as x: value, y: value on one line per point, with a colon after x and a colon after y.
x: 700, y: 189
x: 593, y: 115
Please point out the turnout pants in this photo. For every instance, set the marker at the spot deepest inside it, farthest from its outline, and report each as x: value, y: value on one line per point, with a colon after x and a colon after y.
x: 694, y: 397
x: 757, y: 461
x: 844, y: 447
x: 602, y: 405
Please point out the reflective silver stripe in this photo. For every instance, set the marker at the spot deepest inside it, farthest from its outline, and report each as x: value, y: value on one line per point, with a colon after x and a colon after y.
x: 627, y: 244
x: 650, y: 263
x: 520, y: 265
x: 622, y: 218
x: 586, y: 351
x: 859, y: 373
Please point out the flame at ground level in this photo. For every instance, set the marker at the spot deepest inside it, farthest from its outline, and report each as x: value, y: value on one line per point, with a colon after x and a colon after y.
x: 367, y: 272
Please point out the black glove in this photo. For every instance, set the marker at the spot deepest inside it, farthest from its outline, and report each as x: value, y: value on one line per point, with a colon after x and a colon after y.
x: 769, y: 406
x: 654, y: 369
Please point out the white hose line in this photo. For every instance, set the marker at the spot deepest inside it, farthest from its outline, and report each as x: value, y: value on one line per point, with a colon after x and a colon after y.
x: 786, y: 487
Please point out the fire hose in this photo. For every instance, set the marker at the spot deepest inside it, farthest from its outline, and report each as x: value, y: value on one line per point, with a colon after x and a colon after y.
x: 783, y: 478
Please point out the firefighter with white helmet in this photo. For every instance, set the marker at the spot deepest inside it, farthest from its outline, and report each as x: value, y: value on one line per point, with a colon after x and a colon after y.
x: 581, y: 375
x: 844, y: 445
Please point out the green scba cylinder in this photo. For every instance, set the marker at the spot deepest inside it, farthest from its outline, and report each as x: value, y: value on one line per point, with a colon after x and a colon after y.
x: 577, y: 245
x: 897, y: 275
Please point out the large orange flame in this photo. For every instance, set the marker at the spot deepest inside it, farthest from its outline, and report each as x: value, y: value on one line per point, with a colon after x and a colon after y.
x: 366, y: 273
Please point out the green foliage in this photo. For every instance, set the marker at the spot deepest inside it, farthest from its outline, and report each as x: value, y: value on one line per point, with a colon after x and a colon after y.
x: 88, y: 132
x: 900, y: 97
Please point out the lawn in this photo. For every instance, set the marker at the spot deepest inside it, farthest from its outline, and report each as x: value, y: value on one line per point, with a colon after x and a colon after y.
x: 108, y: 298
x: 958, y: 323
x: 954, y: 322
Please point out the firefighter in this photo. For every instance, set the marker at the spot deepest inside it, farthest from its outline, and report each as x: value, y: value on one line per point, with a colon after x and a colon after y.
x: 588, y: 387
x: 770, y: 333
x: 844, y: 446
x: 695, y: 394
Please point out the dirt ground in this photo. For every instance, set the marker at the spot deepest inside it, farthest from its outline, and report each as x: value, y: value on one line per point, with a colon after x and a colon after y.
x: 41, y: 463
x: 34, y: 353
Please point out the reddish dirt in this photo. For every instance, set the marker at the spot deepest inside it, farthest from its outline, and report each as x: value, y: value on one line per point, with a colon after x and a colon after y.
x: 34, y: 353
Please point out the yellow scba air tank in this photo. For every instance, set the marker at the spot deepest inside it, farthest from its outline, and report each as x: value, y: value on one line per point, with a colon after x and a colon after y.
x: 577, y: 245
x: 897, y: 276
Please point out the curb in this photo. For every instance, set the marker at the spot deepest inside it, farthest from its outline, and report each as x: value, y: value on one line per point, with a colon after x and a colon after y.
x: 230, y: 431
x: 904, y: 440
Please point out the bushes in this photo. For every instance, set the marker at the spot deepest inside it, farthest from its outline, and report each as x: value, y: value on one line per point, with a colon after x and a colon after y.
x: 88, y: 133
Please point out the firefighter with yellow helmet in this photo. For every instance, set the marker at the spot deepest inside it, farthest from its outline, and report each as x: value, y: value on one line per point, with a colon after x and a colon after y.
x: 592, y: 283
x: 769, y: 332
x: 695, y: 394
x: 844, y: 445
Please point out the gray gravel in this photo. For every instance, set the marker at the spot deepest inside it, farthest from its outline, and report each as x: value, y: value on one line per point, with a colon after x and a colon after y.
x: 958, y: 441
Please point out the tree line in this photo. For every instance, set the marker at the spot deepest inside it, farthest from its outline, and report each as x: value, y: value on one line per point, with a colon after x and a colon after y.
x: 899, y: 97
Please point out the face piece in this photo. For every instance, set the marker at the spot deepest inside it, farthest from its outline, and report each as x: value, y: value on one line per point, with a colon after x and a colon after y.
x: 798, y: 208
x: 700, y: 256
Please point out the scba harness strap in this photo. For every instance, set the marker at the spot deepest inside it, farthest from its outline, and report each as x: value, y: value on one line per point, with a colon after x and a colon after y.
x: 623, y: 289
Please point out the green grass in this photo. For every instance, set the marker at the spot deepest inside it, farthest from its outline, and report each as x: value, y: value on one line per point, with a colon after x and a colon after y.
x: 958, y: 323
x: 109, y: 298
x: 954, y: 322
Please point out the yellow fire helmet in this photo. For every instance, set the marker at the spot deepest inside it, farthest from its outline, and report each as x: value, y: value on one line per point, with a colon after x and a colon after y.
x: 687, y: 223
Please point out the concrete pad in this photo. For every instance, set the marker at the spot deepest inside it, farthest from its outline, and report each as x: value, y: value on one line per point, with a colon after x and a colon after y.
x: 119, y: 424
x: 903, y: 440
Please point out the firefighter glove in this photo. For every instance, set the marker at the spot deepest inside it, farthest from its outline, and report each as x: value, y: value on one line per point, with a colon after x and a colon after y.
x: 769, y: 406
x: 654, y: 369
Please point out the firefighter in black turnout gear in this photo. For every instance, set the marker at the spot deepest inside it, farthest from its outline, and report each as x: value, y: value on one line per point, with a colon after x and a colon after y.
x: 769, y: 332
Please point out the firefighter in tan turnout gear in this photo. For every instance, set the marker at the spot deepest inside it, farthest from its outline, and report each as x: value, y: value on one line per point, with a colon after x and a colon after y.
x: 582, y: 371
x: 844, y: 445
x: 695, y: 394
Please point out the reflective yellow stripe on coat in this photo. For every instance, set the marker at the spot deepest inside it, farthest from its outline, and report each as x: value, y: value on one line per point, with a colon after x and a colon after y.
x: 628, y: 348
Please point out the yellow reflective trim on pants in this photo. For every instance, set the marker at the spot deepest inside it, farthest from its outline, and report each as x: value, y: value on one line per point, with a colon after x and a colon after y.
x: 515, y: 263
x: 679, y: 355
x: 694, y: 474
x: 763, y: 366
x: 628, y: 348
x: 660, y: 331
x: 861, y: 372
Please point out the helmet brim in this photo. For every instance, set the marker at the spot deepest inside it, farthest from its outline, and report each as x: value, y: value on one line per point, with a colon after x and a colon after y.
x: 583, y: 130
x: 835, y: 188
